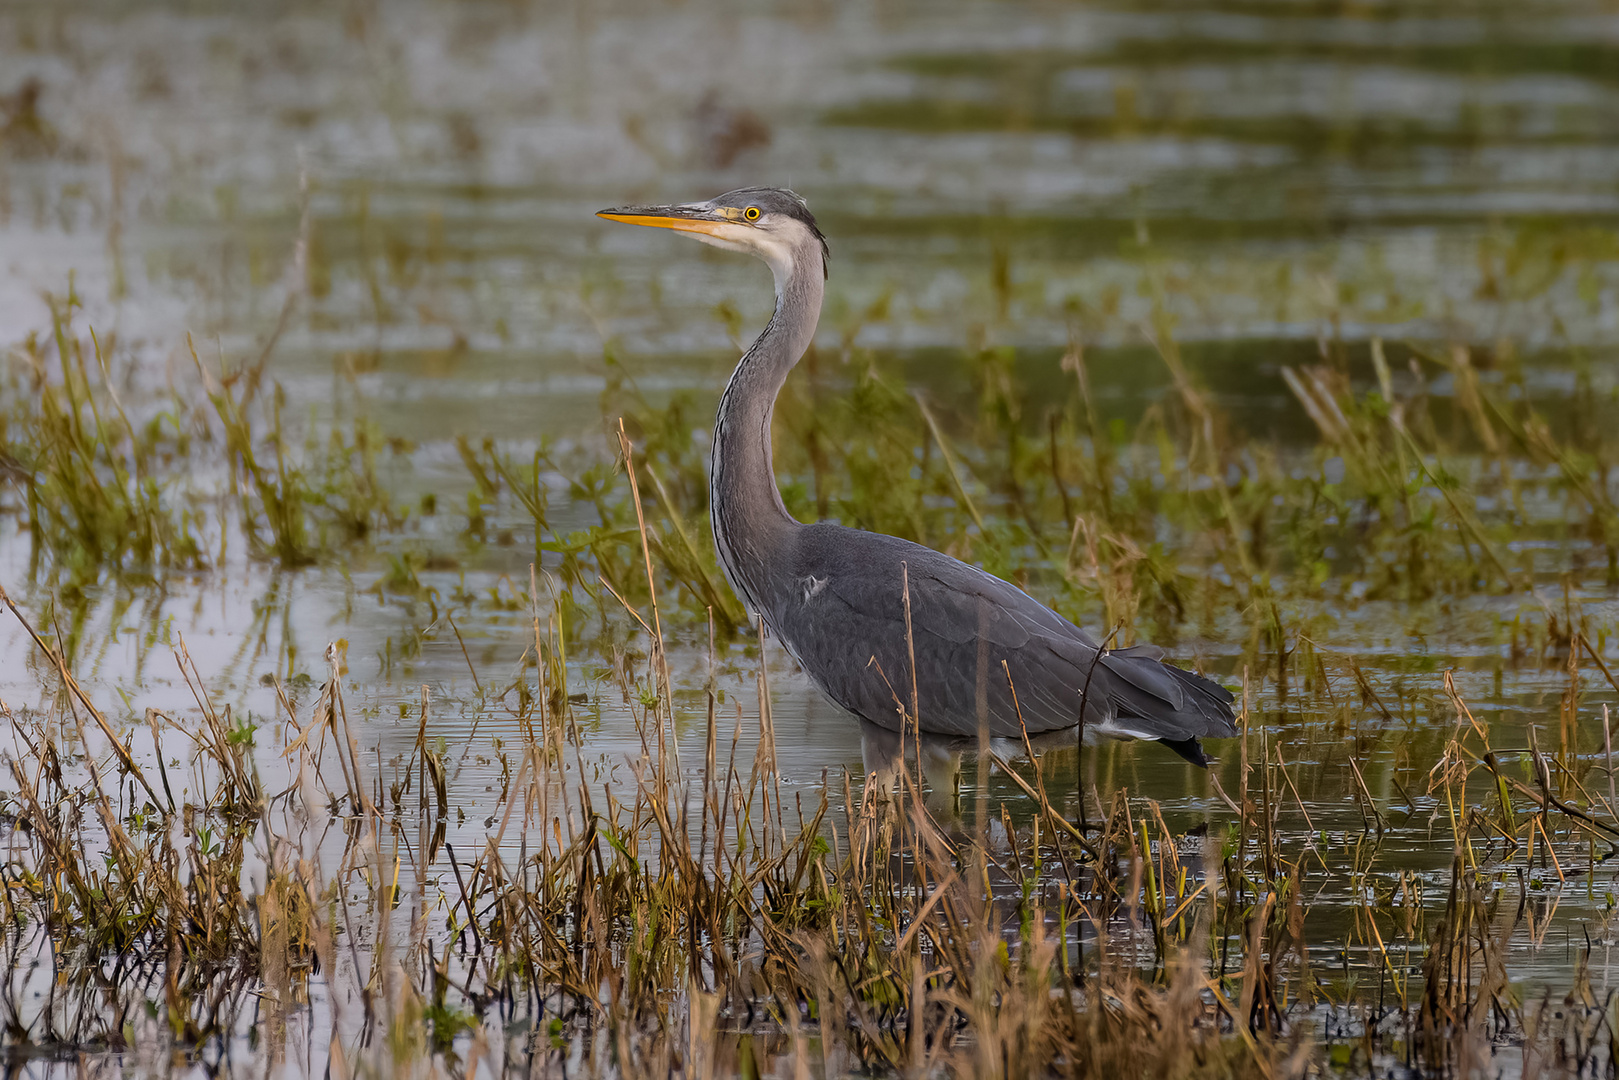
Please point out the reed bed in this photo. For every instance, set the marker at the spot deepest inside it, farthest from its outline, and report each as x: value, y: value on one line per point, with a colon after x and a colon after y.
x: 1435, y: 472
x: 1376, y: 879
x: 703, y: 918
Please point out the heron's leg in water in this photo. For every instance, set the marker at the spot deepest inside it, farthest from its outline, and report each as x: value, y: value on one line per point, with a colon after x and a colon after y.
x: 1080, y: 762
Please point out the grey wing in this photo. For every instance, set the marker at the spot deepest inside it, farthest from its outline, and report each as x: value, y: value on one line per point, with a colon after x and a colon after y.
x: 984, y: 650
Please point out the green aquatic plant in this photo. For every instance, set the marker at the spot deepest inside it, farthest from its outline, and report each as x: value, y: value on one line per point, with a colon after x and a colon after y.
x: 98, y: 481
x: 1177, y: 522
x: 297, y: 507
x: 120, y: 479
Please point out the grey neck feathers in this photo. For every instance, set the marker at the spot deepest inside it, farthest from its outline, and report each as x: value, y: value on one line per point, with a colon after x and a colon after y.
x: 750, y: 522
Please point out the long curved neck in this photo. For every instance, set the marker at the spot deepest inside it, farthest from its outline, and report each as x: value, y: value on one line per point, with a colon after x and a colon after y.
x: 750, y: 521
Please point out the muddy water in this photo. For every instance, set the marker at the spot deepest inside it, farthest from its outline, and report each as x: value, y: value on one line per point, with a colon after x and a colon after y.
x: 1272, y: 174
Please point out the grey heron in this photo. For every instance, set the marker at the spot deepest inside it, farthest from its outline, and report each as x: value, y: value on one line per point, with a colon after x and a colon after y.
x: 973, y: 654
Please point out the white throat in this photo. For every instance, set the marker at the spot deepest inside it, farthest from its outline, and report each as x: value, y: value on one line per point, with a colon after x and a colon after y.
x: 774, y: 243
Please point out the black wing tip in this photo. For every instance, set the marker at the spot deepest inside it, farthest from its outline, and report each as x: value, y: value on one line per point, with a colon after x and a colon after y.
x: 1190, y: 749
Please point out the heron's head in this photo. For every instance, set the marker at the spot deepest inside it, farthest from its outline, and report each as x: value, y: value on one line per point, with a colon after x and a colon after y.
x: 773, y: 223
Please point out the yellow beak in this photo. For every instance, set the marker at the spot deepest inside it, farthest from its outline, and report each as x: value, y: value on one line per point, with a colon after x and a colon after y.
x: 667, y: 217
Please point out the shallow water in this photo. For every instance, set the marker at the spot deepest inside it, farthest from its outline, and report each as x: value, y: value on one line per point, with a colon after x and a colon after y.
x: 1275, y: 175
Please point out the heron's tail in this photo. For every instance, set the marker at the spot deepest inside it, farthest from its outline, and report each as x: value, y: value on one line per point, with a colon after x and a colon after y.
x: 1209, y: 700
x: 1145, y: 698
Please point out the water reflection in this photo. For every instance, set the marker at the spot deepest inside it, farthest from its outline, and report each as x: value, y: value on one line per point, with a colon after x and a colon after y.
x: 934, y: 765
x: 930, y: 763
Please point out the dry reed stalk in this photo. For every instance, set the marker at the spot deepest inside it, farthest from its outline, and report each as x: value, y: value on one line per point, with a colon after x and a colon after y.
x: 129, y: 764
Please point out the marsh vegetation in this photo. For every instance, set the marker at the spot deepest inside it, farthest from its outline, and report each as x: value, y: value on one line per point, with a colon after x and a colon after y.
x: 373, y: 703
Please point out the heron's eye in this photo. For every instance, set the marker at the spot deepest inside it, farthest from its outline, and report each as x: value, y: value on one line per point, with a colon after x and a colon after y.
x: 751, y: 213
